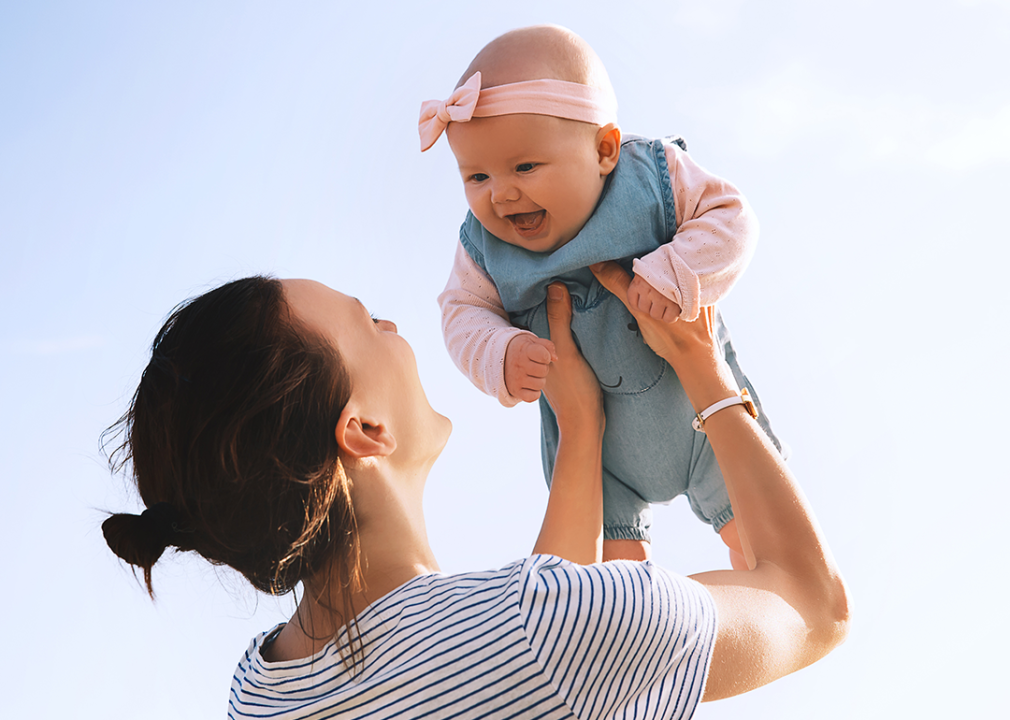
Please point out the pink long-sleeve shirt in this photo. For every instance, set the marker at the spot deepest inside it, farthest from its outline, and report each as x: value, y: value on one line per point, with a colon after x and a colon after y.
x: 715, y: 239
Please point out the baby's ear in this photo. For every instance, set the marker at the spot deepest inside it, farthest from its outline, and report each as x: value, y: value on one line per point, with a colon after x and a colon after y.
x: 608, y: 146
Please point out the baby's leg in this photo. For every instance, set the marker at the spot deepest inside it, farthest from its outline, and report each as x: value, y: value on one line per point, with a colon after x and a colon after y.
x: 731, y: 537
x: 626, y: 522
x: 627, y: 550
x: 626, y: 516
x: 642, y: 550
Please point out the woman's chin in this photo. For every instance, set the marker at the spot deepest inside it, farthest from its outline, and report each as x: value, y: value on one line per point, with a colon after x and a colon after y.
x: 446, y: 428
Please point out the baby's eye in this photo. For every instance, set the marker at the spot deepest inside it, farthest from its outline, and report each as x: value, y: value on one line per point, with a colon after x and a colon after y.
x: 478, y: 177
x: 525, y: 167
x: 374, y: 319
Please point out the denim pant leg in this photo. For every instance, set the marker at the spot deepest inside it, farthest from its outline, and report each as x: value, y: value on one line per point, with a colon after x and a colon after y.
x: 626, y: 516
x: 707, y: 488
x: 742, y: 381
x: 651, y: 453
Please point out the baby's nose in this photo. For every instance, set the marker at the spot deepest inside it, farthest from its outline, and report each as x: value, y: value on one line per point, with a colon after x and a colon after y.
x: 503, y: 191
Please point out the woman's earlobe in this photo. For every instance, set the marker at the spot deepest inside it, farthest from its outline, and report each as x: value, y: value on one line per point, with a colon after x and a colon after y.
x: 608, y: 147
x: 362, y: 438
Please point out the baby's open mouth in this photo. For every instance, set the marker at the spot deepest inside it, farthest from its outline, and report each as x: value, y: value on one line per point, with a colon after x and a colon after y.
x: 528, y: 224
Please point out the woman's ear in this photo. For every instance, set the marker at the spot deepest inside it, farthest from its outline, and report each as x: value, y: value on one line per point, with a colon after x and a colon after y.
x: 608, y: 147
x: 361, y: 437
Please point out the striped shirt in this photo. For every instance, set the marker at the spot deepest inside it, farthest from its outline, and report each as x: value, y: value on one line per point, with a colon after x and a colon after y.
x: 540, y: 638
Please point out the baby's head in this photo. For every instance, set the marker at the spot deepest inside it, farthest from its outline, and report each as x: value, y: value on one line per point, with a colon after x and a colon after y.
x: 533, y: 156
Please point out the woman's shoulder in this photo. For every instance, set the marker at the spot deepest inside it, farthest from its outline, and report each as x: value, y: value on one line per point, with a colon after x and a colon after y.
x: 546, y: 578
x: 649, y: 628
x: 533, y: 621
x: 612, y: 572
x: 552, y: 576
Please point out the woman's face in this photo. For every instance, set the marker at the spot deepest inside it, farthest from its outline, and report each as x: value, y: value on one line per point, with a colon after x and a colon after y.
x: 381, y: 364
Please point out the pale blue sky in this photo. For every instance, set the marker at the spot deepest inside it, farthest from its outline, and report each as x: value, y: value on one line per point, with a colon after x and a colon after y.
x: 149, y: 151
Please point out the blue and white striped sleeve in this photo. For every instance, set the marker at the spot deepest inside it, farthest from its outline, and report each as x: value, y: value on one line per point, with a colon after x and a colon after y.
x: 619, y: 639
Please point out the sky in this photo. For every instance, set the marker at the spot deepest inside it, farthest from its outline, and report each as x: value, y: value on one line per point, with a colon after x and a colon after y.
x: 151, y: 151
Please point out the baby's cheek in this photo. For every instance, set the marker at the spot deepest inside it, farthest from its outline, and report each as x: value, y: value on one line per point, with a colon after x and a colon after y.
x: 487, y: 219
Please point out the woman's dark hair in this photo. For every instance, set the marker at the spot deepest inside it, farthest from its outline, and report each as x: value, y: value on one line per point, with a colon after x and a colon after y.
x: 230, y: 439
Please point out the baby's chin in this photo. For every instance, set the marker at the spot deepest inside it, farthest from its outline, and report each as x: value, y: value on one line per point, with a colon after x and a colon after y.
x: 545, y: 245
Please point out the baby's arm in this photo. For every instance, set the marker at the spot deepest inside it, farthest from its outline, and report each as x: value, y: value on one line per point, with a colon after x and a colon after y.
x: 715, y: 239
x: 483, y: 343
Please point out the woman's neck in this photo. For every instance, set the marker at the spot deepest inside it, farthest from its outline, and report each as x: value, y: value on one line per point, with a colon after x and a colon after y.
x: 391, y: 528
x: 394, y: 550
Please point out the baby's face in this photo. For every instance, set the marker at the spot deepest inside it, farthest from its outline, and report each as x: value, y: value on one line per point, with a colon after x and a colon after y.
x: 531, y: 180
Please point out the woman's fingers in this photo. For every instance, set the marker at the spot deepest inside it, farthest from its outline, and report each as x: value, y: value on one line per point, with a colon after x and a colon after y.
x: 613, y: 277
x: 559, y: 315
x: 667, y: 339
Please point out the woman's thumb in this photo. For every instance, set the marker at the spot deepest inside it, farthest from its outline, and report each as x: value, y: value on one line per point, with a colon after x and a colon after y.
x: 559, y: 312
x: 613, y: 277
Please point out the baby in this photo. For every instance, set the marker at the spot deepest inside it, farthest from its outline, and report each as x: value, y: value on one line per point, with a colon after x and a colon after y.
x: 554, y: 187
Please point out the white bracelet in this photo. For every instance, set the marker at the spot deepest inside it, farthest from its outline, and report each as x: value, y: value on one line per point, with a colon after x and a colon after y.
x: 742, y: 399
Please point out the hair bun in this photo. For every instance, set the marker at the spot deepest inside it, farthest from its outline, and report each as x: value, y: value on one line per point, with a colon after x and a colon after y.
x: 141, y: 539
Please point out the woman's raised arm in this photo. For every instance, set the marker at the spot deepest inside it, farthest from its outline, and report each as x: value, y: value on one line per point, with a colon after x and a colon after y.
x: 792, y: 607
x: 573, y: 521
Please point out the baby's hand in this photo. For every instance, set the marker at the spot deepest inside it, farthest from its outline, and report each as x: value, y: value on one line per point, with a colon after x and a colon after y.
x: 647, y: 299
x: 527, y: 360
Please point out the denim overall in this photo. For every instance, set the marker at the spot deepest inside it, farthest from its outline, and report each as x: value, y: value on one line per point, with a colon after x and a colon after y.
x: 651, y: 454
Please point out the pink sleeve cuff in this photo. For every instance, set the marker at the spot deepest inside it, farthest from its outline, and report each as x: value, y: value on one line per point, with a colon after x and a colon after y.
x: 715, y: 239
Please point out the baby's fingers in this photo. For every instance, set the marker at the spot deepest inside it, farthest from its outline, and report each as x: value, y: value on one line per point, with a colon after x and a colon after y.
x: 670, y: 314
x: 541, y: 352
x: 528, y: 395
x: 635, y: 295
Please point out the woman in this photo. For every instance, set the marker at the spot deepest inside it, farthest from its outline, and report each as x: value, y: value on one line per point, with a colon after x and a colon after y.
x: 281, y: 430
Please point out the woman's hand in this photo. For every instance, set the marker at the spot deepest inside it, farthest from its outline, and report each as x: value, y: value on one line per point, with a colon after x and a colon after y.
x: 690, y: 347
x: 573, y: 522
x: 571, y: 386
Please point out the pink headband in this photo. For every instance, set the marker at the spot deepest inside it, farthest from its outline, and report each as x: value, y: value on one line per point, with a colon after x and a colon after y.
x: 558, y: 98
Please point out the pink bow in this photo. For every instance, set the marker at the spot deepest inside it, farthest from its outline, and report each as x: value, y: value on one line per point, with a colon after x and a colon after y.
x: 437, y: 114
